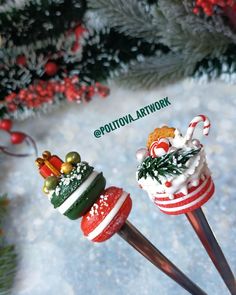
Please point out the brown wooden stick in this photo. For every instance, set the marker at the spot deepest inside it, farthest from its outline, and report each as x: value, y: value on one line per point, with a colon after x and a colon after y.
x: 132, y: 236
x: 206, y: 236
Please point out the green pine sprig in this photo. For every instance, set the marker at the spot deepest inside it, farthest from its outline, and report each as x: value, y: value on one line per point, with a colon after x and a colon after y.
x: 8, y: 257
x: 3, y: 207
x: 170, y: 164
x: 7, y: 268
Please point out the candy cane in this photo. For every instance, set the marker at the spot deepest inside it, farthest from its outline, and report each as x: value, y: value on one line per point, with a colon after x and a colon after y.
x: 194, y: 122
x: 159, y: 148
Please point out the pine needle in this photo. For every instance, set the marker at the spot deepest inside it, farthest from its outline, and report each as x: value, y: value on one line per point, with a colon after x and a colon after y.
x: 191, y: 39
x: 157, y: 70
x: 8, y: 257
x: 7, y: 268
x: 170, y: 164
x: 128, y: 17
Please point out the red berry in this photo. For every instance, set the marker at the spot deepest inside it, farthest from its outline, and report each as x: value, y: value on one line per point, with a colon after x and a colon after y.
x: 79, y: 30
x: 74, y: 79
x: 168, y: 184
x: 75, y: 47
x: 196, y: 10
x: 102, y: 90
x: 51, y: 68
x: 22, y: 94
x: 21, y: 60
x: 12, y: 107
x: 207, y: 6
x: 17, y: 137
x: 208, y: 12
x: 6, y: 124
x: 10, y: 97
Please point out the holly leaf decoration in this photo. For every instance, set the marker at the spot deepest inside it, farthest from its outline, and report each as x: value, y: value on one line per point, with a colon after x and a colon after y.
x: 170, y: 164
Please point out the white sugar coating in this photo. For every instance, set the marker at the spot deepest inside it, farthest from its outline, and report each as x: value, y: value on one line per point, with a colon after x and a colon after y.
x: 66, y: 181
x: 57, y: 190
x: 109, y: 217
x: 94, y: 210
x: 102, y: 203
x: 50, y: 193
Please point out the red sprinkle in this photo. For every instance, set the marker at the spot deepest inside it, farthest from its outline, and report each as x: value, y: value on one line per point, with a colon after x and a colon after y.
x: 168, y: 184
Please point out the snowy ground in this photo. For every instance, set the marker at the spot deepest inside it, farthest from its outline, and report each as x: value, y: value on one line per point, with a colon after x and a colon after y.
x: 54, y: 256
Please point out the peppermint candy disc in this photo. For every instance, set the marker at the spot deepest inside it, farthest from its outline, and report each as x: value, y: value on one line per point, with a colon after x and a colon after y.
x: 159, y: 148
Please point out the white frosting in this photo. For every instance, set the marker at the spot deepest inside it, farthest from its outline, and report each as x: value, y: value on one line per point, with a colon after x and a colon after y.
x: 106, y: 221
x: 191, y: 204
x: 196, y: 169
x: 175, y: 201
x: 141, y: 154
x: 77, y: 193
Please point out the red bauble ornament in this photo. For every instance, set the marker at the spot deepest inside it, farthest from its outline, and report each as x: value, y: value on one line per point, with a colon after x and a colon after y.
x: 21, y: 60
x: 6, y: 124
x: 17, y: 137
x: 51, y: 68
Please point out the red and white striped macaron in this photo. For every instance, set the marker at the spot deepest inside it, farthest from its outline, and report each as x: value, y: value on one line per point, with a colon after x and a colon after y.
x: 181, y: 204
x: 159, y: 148
x: 107, y: 215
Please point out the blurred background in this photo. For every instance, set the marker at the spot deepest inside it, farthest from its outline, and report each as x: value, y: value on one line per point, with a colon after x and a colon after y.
x: 70, y: 67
